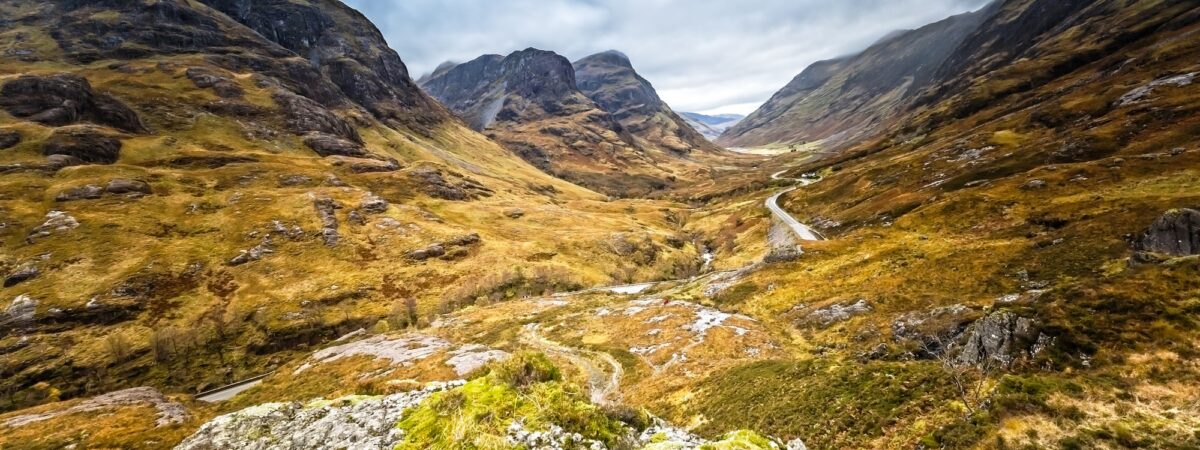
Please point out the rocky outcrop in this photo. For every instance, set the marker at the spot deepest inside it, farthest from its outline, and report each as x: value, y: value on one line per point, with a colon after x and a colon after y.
x: 935, y: 330
x: 56, y: 222
x: 65, y: 99
x: 206, y: 78
x: 20, y: 313
x: 21, y: 275
x: 360, y: 423
x: 1001, y: 339
x: 326, y: 211
x: 838, y: 312
x: 88, y: 144
x: 264, y: 248
x: 9, y: 139
x: 85, y: 192
x: 116, y: 186
x: 373, y: 204
x: 169, y: 412
x: 1175, y: 233
x: 329, y: 145
x: 438, y: 184
x: 123, y: 186
x: 305, y: 116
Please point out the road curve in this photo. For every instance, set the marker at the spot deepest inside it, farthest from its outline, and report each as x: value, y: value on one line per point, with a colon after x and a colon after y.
x: 804, y: 232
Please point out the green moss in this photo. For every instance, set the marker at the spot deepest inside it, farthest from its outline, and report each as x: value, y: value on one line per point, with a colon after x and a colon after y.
x: 527, y: 389
x: 740, y: 440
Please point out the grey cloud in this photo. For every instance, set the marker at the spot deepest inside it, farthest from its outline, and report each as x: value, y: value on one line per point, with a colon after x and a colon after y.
x: 701, y: 55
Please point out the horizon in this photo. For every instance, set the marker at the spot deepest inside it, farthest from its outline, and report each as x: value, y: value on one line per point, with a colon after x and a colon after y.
x: 712, y: 58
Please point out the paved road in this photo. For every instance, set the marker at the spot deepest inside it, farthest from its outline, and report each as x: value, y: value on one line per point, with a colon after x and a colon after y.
x: 231, y: 391
x: 804, y: 232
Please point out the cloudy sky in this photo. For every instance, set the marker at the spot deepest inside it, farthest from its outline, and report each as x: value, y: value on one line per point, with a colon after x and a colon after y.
x: 710, y: 56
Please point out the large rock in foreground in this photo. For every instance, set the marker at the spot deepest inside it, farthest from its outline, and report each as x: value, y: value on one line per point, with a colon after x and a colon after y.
x: 1175, y: 233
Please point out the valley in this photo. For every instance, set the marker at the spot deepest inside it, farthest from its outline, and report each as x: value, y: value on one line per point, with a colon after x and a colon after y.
x: 230, y: 225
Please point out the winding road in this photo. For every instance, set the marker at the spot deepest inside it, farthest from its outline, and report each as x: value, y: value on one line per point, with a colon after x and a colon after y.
x: 804, y: 232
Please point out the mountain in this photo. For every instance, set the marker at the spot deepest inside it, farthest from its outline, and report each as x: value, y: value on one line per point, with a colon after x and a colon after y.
x: 529, y: 102
x: 844, y: 99
x: 712, y: 126
x: 609, y: 79
x: 195, y: 192
x: 595, y: 123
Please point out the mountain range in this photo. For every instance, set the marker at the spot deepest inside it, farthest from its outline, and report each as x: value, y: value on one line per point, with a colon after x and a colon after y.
x: 594, y: 122
x: 712, y: 127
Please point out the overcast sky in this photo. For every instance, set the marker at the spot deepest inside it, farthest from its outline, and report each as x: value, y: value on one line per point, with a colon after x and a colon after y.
x: 709, y: 56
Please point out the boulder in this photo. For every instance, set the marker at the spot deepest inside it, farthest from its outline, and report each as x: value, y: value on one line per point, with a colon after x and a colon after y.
x: 1175, y: 233
x: 935, y: 329
x: 20, y: 313
x: 999, y: 340
x: 254, y: 254
x: 86, y: 192
x: 464, y: 241
x: 122, y: 186
x: 838, y: 312
x: 432, y: 251
x: 205, y: 78
x: 9, y: 139
x: 21, y: 275
x: 329, y: 145
x: 306, y: 116
x: 56, y: 222
x: 65, y: 99
x: 87, y: 144
x: 326, y: 208
x: 514, y: 213
x: 373, y: 204
x: 1033, y: 185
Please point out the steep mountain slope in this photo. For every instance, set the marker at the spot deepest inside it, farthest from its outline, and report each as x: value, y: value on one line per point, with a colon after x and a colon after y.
x: 1020, y: 237
x: 609, y: 79
x: 847, y: 98
x: 531, y: 102
x: 192, y: 192
x: 712, y: 127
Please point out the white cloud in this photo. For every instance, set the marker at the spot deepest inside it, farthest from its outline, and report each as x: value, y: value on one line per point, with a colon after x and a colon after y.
x: 710, y: 56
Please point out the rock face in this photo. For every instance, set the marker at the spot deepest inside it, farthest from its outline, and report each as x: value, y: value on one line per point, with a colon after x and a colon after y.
x: 326, y: 211
x: 9, y: 139
x: 530, y: 102
x: 19, y: 313
x: 21, y: 275
x: 358, y: 423
x: 609, y: 79
x: 87, y: 144
x: 56, y: 222
x: 1000, y: 339
x: 1175, y: 233
x: 65, y: 99
x: 348, y: 49
x: 838, y: 312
